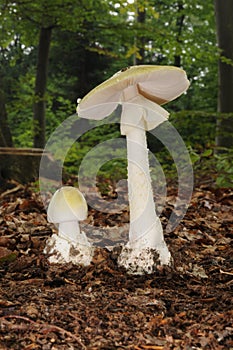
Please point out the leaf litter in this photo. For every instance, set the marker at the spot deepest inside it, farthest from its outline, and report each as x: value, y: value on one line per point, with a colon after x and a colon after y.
x: 187, y: 306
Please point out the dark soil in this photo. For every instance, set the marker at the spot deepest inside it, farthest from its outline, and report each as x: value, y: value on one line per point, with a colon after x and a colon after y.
x: 187, y: 306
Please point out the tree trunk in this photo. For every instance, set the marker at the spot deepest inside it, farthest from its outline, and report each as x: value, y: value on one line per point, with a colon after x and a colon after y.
x: 5, y: 134
x: 179, y: 27
x: 141, y: 19
x: 40, y: 87
x: 224, y: 12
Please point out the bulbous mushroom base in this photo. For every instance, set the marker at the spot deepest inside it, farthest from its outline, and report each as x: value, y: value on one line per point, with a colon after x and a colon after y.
x: 138, y: 261
x: 62, y: 251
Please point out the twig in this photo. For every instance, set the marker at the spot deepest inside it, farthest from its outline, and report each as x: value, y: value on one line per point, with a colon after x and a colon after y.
x: 226, y: 273
x: 149, y: 347
x: 45, y: 327
x: 18, y: 317
x: 12, y: 190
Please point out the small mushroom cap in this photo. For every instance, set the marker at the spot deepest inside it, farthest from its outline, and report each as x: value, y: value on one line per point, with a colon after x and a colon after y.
x: 159, y: 84
x: 67, y: 204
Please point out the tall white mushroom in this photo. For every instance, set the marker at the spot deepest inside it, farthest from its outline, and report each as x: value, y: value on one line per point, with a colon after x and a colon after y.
x: 66, y: 208
x: 140, y: 90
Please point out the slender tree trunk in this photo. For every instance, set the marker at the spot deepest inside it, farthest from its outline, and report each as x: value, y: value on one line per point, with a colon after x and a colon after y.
x: 179, y: 26
x: 5, y: 134
x: 141, y: 19
x: 224, y: 13
x: 40, y: 87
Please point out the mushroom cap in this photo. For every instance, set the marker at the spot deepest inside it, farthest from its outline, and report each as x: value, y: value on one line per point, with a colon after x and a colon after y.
x: 159, y: 84
x: 67, y: 204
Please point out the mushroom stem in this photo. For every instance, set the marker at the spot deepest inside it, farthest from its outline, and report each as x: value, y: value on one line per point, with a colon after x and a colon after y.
x: 70, y: 231
x: 145, y: 226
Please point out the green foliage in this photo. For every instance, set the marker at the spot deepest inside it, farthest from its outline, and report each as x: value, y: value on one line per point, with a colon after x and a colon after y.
x: 20, y: 110
x: 88, y: 142
x: 92, y: 40
x: 197, y: 128
x: 59, y: 107
x: 213, y: 168
x: 224, y: 167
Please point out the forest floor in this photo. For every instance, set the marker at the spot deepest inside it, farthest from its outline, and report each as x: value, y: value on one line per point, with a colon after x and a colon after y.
x: 187, y: 306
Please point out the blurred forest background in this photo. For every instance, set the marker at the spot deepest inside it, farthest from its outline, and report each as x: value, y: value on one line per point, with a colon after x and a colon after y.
x: 53, y: 52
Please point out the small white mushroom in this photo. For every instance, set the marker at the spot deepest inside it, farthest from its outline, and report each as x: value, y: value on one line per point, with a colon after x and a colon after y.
x: 66, y: 208
x: 140, y: 90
